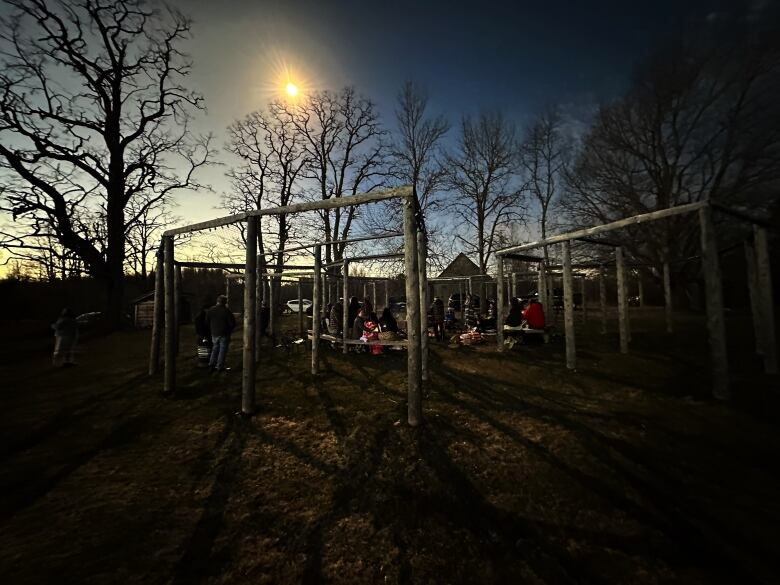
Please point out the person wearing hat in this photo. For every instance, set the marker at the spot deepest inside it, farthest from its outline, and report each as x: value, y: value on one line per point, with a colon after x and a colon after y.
x: 221, y: 323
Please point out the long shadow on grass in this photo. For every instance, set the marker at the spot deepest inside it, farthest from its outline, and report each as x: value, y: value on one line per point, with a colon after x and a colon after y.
x: 20, y: 496
x: 680, y: 530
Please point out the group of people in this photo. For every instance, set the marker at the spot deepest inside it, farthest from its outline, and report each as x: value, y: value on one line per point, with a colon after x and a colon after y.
x: 362, y: 320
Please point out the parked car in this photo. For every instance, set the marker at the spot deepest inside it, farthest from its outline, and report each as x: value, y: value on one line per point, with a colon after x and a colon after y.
x: 454, y: 301
x: 292, y: 306
x: 397, y: 303
x: 557, y: 298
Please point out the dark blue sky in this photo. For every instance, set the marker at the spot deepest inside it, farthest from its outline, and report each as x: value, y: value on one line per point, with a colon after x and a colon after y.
x: 517, y: 56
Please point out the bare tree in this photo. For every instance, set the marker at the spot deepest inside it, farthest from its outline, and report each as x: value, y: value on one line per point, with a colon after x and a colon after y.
x: 273, y: 159
x: 145, y: 224
x: 543, y: 159
x: 416, y: 160
x: 345, y: 152
x: 93, y: 114
x: 484, y: 176
x: 699, y: 122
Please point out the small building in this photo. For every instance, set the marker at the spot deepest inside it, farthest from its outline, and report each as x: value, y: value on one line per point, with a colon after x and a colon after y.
x: 142, y: 308
x: 460, y: 266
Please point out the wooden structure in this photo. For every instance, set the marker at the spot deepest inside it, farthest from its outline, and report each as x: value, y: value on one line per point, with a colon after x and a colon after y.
x: 165, y: 287
x: 761, y: 287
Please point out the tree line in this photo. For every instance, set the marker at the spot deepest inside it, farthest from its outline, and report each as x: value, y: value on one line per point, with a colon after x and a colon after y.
x: 96, y: 114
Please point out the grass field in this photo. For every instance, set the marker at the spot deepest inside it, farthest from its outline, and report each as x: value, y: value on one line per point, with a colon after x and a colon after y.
x: 623, y: 472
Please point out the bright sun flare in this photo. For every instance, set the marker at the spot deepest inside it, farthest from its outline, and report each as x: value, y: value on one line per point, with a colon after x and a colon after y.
x: 292, y: 89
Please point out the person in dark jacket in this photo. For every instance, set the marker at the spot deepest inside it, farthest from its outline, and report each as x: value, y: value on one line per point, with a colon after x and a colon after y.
x: 66, y: 333
x: 357, y: 325
x: 437, y: 318
x: 221, y: 324
x: 387, y: 321
x: 352, y: 310
x: 515, y: 316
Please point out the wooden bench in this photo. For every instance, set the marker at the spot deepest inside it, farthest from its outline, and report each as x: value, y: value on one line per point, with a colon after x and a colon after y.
x: 525, y: 330
x: 335, y: 339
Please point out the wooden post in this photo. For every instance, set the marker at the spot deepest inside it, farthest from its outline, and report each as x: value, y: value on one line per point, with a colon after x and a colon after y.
x: 603, y: 299
x: 272, y: 308
x: 373, y: 297
x: 568, y: 308
x: 584, y: 305
x: 541, y: 293
x: 365, y: 289
x: 169, y: 384
x: 301, y: 330
x: 414, y: 366
x: 250, y: 312
x: 500, y: 302
x: 471, y: 285
x: 258, y: 306
x: 641, y: 287
x: 227, y: 289
x: 345, y: 324
x: 158, y: 322
x: 764, y: 278
x: 461, y: 297
x: 755, y: 303
x: 315, y: 311
x: 714, y: 302
x: 514, y: 284
x: 423, y: 284
x: 387, y: 293
x: 177, y: 306
x: 668, y: 296
x: 622, y: 301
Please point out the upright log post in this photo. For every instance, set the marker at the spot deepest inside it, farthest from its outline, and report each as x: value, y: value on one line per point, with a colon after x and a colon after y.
x: 514, y: 284
x: 622, y: 300
x: 422, y: 261
x: 301, y: 330
x: 373, y: 296
x: 462, y: 299
x: 258, y: 306
x: 387, y: 293
x: 169, y: 383
x: 177, y: 306
x: 755, y: 303
x: 272, y: 309
x: 667, y: 296
x: 766, y: 300
x: 714, y: 301
x: 158, y: 322
x: 568, y: 308
x: 315, y: 311
x: 365, y: 290
x: 250, y: 312
x: 414, y: 365
x: 640, y: 287
x: 500, y: 302
x: 584, y: 304
x: 541, y: 293
x: 227, y: 289
x: 603, y: 298
x: 345, y: 324
x: 471, y: 285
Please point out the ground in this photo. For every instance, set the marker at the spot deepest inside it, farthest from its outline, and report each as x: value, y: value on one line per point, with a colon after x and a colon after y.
x: 622, y: 472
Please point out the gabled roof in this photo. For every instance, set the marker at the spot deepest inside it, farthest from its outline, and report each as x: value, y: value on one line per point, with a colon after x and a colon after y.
x: 460, y: 266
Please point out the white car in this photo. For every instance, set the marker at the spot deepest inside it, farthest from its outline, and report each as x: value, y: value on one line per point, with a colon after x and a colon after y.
x: 292, y: 306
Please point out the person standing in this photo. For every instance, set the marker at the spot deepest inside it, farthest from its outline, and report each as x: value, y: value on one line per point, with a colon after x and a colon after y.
x: 221, y: 323
x: 437, y: 318
x: 66, y: 333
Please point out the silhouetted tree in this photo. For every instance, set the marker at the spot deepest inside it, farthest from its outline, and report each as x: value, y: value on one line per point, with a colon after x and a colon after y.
x: 93, y: 114
x: 483, y: 172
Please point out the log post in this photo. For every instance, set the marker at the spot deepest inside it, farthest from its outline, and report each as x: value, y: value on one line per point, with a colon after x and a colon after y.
x: 250, y: 312
x: 541, y: 293
x: 387, y: 293
x: 764, y: 277
x: 603, y: 298
x: 568, y: 308
x: 345, y: 324
x: 315, y: 311
x: 584, y: 304
x: 461, y: 297
x: 177, y: 306
x: 622, y: 300
x: 640, y: 287
x: 169, y: 384
x: 227, y: 289
x: 158, y: 318
x: 365, y: 290
x: 301, y: 330
x: 471, y: 285
x: 667, y: 296
x: 500, y: 302
x: 755, y: 302
x: 373, y: 296
x: 414, y: 366
x: 423, y: 283
x: 714, y: 302
x: 258, y: 307
x: 514, y: 284
x: 272, y: 309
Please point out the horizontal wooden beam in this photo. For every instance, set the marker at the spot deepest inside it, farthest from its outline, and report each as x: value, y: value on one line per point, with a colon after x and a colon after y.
x: 371, y: 258
x: 347, y: 241
x: 607, y: 227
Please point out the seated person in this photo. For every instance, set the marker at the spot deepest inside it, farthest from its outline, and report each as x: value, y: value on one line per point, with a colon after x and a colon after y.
x: 534, y: 315
x: 515, y: 316
x: 387, y: 321
x: 489, y: 322
x: 357, y: 326
x: 336, y: 317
